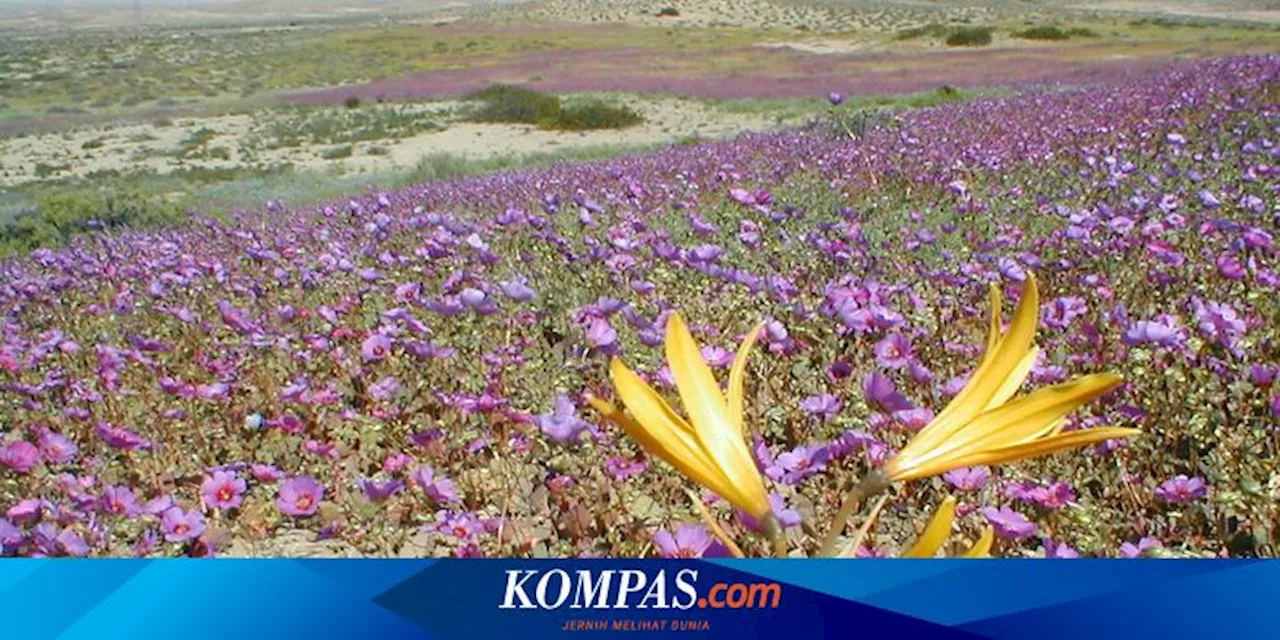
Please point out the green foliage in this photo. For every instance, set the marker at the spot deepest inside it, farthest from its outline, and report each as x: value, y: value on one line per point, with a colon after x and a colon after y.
x: 969, y: 37
x: 511, y: 104
x: 1043, y: 33
x: 352, y: 102
x: 56, y: 217
x: 593, y: 115
x: 306, y: 125
x: 336, y: 153
x: 668, y: 12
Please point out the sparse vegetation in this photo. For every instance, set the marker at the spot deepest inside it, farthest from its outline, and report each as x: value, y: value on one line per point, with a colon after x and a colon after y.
x: 511, y: 104
x: 969, y: 37
x: 1053, y: 33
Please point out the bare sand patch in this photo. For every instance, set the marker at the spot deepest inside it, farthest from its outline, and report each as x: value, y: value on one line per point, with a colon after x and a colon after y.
x: 85, y: 151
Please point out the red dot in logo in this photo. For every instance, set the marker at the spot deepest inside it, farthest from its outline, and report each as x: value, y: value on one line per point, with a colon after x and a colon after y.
x: 702, y: 603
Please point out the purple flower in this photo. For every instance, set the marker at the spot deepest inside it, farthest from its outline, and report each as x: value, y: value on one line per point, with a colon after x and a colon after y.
x: 562, y: 425
x: 835, y: 99
x: 26, y: 510
x: 1261, y: 375
x: 839, y: 370
x: 689, y: 541
x: 1009, y: 524
x: 823, y: 406
x: 913, y: 419
x: 1163, y: 331
x: 223, y: 490
x: 894, y: 351
x: 600, y: 334
x: 266, y: 473
x: 1054, y: 496
x: 384, y: 389
x: 791, y: 467
x: 378, y: 490
x: 121, y: 501
x: 158, y: 505
x: 786, y: 517
x: 1130, y: 550
x: 20, y: 456
x: 121, y: 438
x: 181, y: 526
x: 1059, y: 550
x: 518, y: 290
x: 300, y: 496
x: 10, y: 536
x: 716, y: 357
x: 56, y: 448
x: 967, y: 478
x: 375, y: 348
x: 1180, y: 489
x: 71, y: 543
x: 880, y: 391
x: 620, y: 468
x: 439, y: 489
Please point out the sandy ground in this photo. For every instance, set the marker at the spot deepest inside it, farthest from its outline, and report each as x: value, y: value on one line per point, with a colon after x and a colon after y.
x: 152, y: 147
x: 755, y: 14
x: 1218, y: 10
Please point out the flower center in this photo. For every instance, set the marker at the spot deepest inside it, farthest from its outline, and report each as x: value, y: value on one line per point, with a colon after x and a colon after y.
x: 302, y: 503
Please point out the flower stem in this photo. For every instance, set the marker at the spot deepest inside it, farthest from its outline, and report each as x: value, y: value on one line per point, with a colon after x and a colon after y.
x: 852, y: 548
x: 714, y: 526
x: 871, y: 484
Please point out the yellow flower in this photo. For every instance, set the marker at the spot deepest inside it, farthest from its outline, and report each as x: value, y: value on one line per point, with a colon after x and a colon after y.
x: 709, y: 447
x: 939, y: 528
x: 981, y: 425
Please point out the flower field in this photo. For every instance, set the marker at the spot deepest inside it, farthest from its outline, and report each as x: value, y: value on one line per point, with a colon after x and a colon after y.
x: 413, y: 372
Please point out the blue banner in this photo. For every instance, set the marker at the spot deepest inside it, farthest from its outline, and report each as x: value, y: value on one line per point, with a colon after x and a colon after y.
x: 740, y: 599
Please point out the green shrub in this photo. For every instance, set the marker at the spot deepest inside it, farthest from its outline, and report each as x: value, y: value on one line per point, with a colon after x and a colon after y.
x: 593, y: 115
x: 57, y: 217
x: 352, y: 102
x: 1082, y: 32
x: 969, y: 37
x: 668, y: 12
x: 1043, y: 33
x: 505, y: 103
x: 96, y: 143
x: 336, y: 153
x: 48, y: 170
x: 933, y: 30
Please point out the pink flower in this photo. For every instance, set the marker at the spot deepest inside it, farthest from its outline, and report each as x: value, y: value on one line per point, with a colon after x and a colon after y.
x: 375, y: 348
x: 223, y: 490
x: 1180, y: 489
x: 20, y: 456
x: 300, y: 496
x: 180, y: 525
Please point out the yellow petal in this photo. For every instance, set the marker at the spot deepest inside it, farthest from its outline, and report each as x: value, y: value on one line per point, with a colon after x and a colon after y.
x: 990, y: 377
x: 715, y: 430
x: 1028, y: 417
x: 996, y: 297
x: 737, y: 377
x: 1014, y: 382
x: 981, y: 548
x: 1048, y: 445
x: 936, y: 532
x: 663, y: 433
